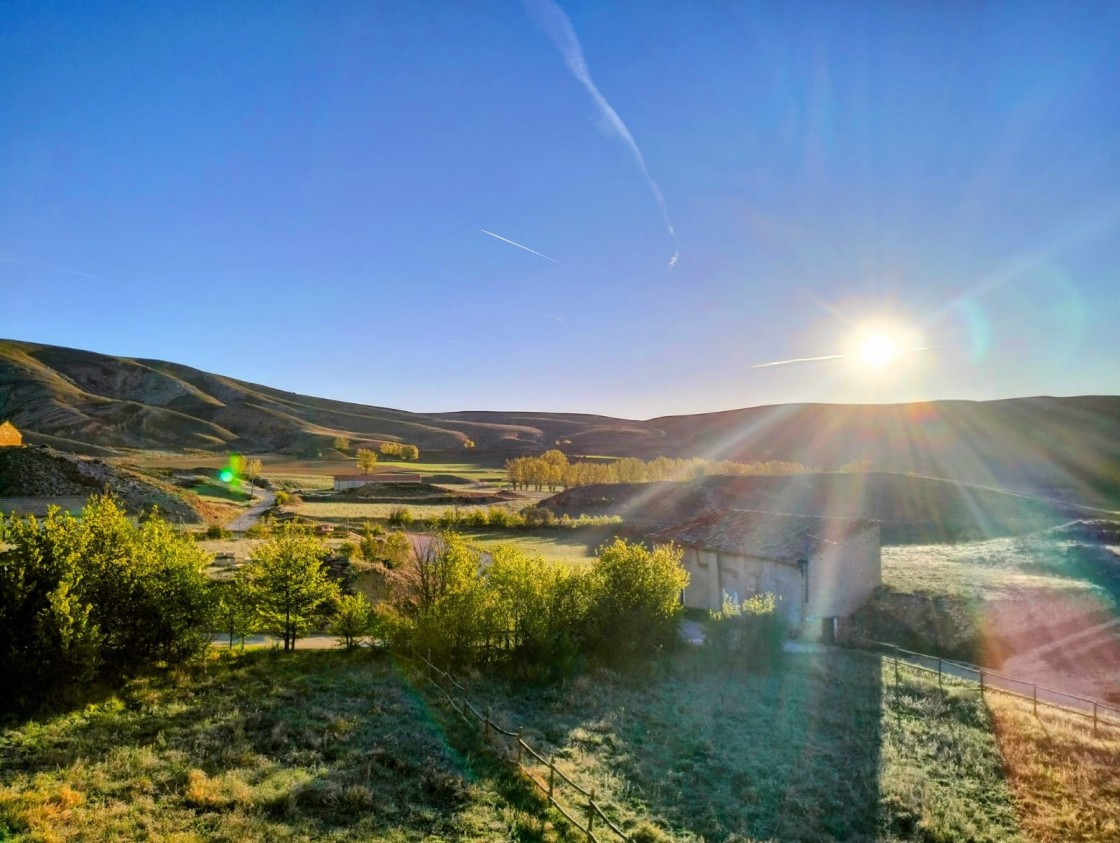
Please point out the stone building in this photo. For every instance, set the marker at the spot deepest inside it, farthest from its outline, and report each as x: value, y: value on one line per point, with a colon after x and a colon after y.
x: 820, y: 569
x: 353, y: 481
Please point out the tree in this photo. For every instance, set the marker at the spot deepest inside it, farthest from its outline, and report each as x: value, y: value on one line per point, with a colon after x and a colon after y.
x: 410, y: 453
x: 96, y: 596
x: 396, y: 549
x: 342, y: 443
x: 353, y: 619
x: 635, y: 599
x: 288, y: 582
x: 468, y: 444
x: 234, y: 612
x: 251, y: 468
x: 367, y: 459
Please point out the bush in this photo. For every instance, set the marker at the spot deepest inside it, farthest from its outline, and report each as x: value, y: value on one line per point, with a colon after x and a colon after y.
x: 635, y: 600
x: 96, y: 597
x: 217, y: 531
x: 537, y: 619
x: 258, y: 531
x: 401, y: 516
x: 748, y: 634
x: 353, y: 619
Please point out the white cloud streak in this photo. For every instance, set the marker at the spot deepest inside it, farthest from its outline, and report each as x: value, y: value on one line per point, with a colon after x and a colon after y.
x: 526, y: 248
x: 13, y: 258
x: 555, y: 24
x: 799, y: 360
x: 832, y: 357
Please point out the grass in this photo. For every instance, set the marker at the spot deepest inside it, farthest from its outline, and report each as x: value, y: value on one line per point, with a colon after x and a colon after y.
x: 261, y: 747
x: 280, y: 465
x: 574, y: 546
x: 335, y: 746
x: 1066, y: 781
x: 827, y: 748
x: 348, y: 511
x: 987, y: 569
x: 39, y: 506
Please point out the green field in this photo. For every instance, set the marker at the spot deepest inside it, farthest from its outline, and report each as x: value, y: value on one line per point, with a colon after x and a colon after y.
x: 987, y: 569
x: 312, y: 746
x: 826, y: 748
x: 335, y: 746
x: 560, y: 545
x: 354, y: 513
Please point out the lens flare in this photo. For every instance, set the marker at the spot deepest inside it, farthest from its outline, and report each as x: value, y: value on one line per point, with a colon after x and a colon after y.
x: 225, y: 475
x: 877, y: 351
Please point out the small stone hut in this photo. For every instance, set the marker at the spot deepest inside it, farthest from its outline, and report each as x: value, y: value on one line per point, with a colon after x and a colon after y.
x: 10, y: 437
x: 354, y: 481
x: 820, y: 569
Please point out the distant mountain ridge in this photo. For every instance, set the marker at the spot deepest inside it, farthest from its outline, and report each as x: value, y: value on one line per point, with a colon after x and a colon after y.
x: 84, y: 400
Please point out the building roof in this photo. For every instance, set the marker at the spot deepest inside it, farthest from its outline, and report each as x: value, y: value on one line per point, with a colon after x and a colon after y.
x: 7, y: 423
x: 778, y: 536
x: 379, y: 477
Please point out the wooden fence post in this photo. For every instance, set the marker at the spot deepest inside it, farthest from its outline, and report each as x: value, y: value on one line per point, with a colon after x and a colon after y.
x: 519, y: 746
x: 486, y: 726
x: 939, y: 683
x: 1034, y: 698
x: 551, y: 775
x: 590, y: 814
x: 895, y: 664
x: 981, y: 681
x: 1094, y: 718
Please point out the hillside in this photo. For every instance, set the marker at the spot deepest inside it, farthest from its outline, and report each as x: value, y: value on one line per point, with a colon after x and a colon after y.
x: 911, y: 509
x: 83, y: 401
x: 45, y: 473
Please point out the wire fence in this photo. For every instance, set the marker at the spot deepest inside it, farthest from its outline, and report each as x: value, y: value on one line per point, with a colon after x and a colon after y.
x: 1101, y: 713
x: 541, y: 771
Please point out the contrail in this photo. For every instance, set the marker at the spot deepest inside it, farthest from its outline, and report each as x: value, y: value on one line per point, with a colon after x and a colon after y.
x: 35, y: 262
x: 833, y: 357
x: 555, y: 24
x: 526, y: 248
x: 800, y: 360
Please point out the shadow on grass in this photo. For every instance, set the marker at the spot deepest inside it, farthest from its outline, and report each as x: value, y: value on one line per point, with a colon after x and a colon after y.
x: 259, y: 746
x: 818, y: 749
x: 793, y: 754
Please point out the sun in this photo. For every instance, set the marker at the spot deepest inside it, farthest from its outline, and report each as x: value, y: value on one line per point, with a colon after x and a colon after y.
x: 877, y: 351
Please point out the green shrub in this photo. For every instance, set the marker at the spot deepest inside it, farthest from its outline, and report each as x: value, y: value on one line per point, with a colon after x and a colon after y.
x: 401, y: 516
x: 635, y: 600
x: 96, y: 596
x: 748, y: 634
x: 217, y: 531
x: 537, y: 619
x: 353, y: 619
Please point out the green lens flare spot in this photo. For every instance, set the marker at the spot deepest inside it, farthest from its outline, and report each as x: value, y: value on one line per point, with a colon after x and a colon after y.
x: 226, y: 475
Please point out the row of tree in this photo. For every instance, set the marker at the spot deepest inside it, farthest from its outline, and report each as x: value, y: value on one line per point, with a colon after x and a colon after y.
x: 367, y: 457
x: 400, y: 451
x: 552, y: 470
x: 535, y: 618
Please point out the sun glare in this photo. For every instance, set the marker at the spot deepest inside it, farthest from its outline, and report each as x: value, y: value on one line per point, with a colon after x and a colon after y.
x: 877, y: 351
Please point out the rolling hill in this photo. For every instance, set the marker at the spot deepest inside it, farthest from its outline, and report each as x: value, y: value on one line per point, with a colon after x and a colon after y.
x: 84, y: 401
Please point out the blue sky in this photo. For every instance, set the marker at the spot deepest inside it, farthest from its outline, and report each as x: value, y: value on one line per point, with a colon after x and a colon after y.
x: 294, y: 194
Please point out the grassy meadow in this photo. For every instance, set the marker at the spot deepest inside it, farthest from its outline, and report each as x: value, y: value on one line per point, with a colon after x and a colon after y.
x: 825, y: 748
x: 1065, y: 779
x: 984, y: 569
x: 335, y: 746
x: 574, y: 546
x: 311, y: 746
